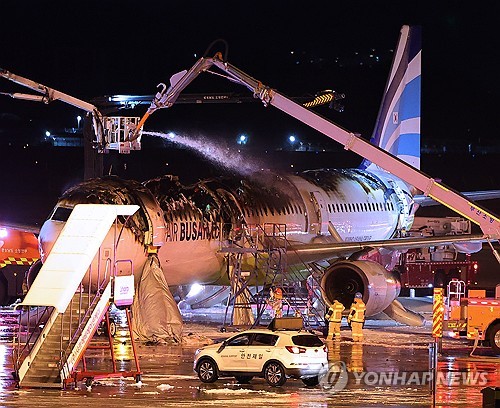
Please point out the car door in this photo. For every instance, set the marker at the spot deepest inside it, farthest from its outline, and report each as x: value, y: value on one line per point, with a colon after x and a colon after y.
x: 233, y: 355
x: 260, y: 351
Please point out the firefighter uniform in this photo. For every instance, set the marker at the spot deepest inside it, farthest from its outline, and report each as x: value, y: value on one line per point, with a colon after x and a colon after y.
x: 357, y: 318
x: 334, y: 318
x: 276, y: 302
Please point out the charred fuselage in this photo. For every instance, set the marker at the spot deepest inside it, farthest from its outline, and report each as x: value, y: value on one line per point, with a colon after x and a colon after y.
x: 186, y: 225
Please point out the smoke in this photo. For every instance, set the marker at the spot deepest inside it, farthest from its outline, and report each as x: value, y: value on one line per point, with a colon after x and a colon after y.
x: 217, y: 152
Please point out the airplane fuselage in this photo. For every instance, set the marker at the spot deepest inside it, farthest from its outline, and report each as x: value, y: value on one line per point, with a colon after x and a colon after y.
x: 193, y: 223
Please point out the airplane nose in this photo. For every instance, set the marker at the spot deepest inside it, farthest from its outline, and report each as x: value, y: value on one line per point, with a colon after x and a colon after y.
x: 48, y: 235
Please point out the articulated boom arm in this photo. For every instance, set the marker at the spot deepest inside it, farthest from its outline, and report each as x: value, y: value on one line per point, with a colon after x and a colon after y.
x: 109, y: 132
x: 489, y: 223
x: 49, y: 94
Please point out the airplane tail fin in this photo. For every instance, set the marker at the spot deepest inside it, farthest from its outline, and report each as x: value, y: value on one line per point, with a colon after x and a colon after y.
x: 397, y: 129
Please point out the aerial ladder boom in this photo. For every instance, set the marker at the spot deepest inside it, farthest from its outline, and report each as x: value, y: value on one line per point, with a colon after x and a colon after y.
x: 488, y: 222
x: 109, y: 131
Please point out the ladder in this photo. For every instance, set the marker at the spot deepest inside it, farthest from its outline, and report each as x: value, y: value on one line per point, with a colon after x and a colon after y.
x: 61, y: 316
x: 268, y: 246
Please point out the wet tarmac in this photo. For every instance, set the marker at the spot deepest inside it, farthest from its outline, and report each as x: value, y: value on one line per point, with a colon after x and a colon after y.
x: 390, y: 368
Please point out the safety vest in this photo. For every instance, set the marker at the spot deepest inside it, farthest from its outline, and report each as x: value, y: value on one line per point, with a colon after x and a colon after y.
x: 278, y: 294
x: 335, y: 312
x: 357, y: 313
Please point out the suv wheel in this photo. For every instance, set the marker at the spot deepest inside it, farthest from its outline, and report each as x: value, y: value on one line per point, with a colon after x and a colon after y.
x: 243, y: 379
x: 207, y: 371
x: 311, y: 381
x: 274, y: 373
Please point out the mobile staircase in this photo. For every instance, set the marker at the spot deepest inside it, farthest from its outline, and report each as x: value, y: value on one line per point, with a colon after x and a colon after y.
x: 257, y: 261
x: 60, y: 316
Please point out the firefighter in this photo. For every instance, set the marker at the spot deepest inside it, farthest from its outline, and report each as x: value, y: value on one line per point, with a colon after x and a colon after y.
x: 278, y: 303
x: 334, y: 318
x: 356, y: 317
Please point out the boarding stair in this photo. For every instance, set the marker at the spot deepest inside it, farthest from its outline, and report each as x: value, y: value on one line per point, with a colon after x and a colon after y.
x: 258, y: 259
x: 61, y: 315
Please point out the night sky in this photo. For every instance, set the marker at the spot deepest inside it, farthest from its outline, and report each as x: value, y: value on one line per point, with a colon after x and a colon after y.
x: 95, y: 48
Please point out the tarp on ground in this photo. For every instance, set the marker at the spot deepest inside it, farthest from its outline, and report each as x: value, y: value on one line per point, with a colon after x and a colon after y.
x: 156, y: 315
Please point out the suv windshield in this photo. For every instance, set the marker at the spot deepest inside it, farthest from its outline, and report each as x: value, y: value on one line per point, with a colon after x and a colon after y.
x: 307, y: 340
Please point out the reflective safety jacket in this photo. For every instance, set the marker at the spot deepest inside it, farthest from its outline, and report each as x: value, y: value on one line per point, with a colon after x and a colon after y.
x: 334, y: 313
x: 278, y: 294
x: 357, y: 313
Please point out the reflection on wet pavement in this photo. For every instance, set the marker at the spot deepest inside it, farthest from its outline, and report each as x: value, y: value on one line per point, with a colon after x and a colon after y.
x: 374, y: 372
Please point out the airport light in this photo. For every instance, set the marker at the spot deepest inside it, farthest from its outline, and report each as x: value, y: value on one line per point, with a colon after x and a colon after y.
x: 47, y: 133
x: 242, y: 140
x: 78, y: 119
x: 293, y: 140
x: 195, y: 289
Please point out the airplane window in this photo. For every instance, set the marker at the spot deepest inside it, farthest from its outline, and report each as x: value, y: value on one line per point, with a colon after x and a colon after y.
x: 61, y: 214
x: 349, y: 208
x: 365, y: 208
x: 357, y: 207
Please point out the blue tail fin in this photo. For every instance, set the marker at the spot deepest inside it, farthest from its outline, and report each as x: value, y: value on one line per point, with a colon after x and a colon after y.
x: 397, y: 129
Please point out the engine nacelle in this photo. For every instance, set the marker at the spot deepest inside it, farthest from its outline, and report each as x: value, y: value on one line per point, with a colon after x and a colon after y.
x: 343, y: 279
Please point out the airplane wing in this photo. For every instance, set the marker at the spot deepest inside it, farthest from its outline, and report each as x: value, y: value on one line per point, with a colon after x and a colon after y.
x: 425, y: 201
x: 323, y: 251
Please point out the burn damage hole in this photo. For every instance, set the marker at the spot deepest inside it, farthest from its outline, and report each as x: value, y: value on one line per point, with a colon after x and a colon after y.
x: 342, y: 284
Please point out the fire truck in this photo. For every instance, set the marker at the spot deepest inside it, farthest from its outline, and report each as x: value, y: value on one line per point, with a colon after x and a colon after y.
x: 18, y: 251
x: 428, y: 267
x: 475, y: 316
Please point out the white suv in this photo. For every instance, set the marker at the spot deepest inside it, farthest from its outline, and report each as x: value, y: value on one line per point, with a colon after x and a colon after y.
x: 274, y: 355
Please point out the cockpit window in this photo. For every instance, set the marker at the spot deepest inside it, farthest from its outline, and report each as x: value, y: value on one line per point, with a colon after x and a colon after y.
x: 61, y: 214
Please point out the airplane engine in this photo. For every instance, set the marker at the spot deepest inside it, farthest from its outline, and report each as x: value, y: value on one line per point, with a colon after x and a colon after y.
x: 343, y: 279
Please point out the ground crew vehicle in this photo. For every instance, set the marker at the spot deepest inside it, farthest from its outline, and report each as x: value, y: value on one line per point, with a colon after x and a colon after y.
x: 274, y: 355
x: 474, y: 316
x: 18, y: 251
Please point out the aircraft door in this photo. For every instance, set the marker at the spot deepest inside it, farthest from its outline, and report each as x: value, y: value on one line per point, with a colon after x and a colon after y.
x: 233, y: 214
x: 319, y: 220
